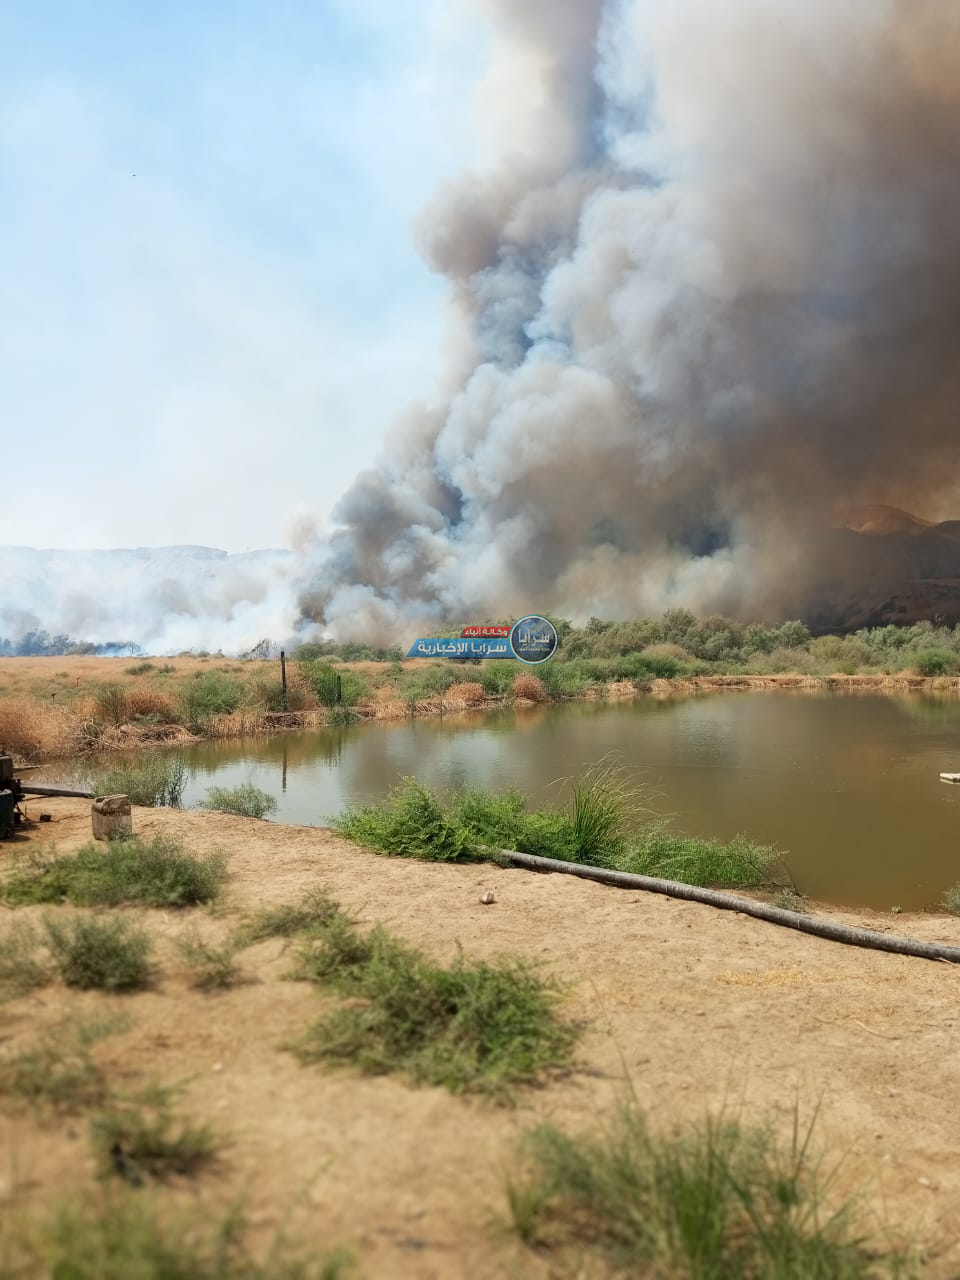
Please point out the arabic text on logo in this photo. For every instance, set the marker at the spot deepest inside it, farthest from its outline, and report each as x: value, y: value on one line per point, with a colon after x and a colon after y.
x: 533, y: 639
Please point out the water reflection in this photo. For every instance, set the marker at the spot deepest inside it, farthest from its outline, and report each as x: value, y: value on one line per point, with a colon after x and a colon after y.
x: 847, y: 786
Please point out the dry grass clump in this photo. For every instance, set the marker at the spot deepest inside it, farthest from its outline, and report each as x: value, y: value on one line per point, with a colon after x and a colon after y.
x: 470, y: 693
x: 30, y: 730
x: 667, y: 650
x: 530, y: 687
x: 144, y: 701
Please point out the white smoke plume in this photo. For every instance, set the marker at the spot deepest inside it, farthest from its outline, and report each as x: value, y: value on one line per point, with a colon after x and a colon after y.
x: 708, y: 292
x: 163, y: 599
x: 706, y: 288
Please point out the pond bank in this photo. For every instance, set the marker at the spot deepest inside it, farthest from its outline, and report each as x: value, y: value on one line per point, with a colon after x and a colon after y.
x: 37, y: 730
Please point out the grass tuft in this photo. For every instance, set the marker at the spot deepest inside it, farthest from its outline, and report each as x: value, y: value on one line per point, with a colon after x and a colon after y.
x: 153, y: 781
x: 951, y: 900
x: 247, y: 801
x: 709, y: 1203
x: 790, y: 900
x: 315, y: 908
x: 59, y: 1072
x: 159, y: 872
x: 139, y: 1138
x: 134, y: 1236
x: 724, y: 864
x: 475, y: 1026
x: 105, y: 954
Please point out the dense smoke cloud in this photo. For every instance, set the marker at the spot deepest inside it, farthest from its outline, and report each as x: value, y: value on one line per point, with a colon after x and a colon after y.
x: 709, y: 293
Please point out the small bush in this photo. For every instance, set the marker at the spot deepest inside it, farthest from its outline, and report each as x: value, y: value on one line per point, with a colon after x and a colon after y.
x: 59, y: 1072
x: 497, y: 677
x: 211, y: 968
x: 470, y: 693
x: 153, y: 781
x: 110, y: 704
x: 104, y: 954
x: 951, y: 900
x: 247, y: 801
x: 150, y: 704
x: 935, y: 662
x: 530, y: 687
x: 156, y: 873
x: 139, y: 1138
x: 208, y: 694
x: 718, y: 1201
x: 475, y: 1026
x: 409, y: 823
x: 325, y: 682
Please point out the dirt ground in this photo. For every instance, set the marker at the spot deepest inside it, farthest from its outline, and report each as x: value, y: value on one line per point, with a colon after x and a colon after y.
x: 697, y: 1009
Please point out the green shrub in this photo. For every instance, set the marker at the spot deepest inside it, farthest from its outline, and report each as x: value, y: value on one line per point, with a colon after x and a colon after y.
x: 106, y: 954
x: 325, y: 681
x: 709, y: 1203
x: 247, y: 801
x: 153, y: 781
x: 935, y: 662
x: 723, y: 864
x: 159, y: 872
x: 497, y: 677
x: 410, y: 823
x: 474, y: 1026
x: 951, y: 900
x: 208, y: 694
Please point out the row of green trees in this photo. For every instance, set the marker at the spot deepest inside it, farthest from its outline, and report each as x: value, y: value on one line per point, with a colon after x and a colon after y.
x: 722, y: 644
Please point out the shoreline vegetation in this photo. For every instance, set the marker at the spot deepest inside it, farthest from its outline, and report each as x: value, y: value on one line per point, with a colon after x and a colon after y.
x: 75, y: 705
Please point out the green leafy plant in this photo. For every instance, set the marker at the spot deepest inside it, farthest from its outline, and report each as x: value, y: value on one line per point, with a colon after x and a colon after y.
x: 103, y: 953
x: 247, y: 801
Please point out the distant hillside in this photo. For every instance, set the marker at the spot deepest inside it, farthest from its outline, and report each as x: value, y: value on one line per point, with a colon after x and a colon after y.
x: 882, y: 566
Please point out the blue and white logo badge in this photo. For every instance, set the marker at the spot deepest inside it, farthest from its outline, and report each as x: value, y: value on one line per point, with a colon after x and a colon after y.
x: 534, y: 639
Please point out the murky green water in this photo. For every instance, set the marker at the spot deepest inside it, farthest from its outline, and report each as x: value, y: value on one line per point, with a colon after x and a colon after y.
x: 846, y: 785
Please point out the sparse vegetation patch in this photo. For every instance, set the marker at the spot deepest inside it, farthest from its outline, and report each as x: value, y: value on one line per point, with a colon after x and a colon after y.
x: 715, y: 1202
x: 477, y: 1026
x: 157, y: 872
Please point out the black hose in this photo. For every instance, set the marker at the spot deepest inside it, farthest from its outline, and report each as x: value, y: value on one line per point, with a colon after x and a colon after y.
x: 747, y: 906
x: 56, y: 791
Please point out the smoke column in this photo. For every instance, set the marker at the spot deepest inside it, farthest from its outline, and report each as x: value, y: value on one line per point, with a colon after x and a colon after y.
x: 709, y: 291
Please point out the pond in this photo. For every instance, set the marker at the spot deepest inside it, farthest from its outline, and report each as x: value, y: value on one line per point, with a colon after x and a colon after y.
x: 846, y: 785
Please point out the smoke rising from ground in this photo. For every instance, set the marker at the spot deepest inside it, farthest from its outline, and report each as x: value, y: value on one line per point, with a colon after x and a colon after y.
x: 709, y: 292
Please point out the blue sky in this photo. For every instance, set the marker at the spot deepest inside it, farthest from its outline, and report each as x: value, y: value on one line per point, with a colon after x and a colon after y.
x: 211, y: 307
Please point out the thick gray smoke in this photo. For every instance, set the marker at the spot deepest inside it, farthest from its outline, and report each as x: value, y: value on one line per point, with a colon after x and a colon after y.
x: 710, y: 291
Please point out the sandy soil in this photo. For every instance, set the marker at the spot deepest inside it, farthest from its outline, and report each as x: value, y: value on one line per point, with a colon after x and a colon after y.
x: 699, y: 1008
